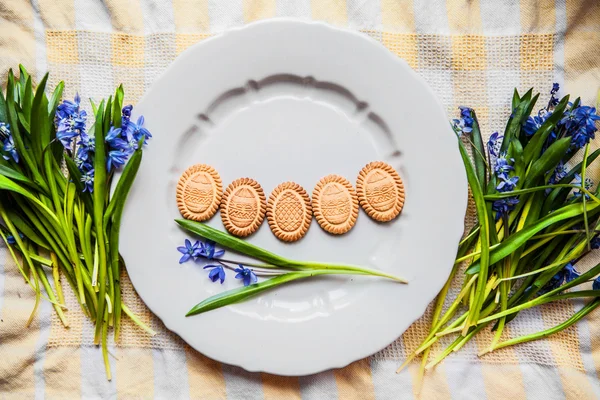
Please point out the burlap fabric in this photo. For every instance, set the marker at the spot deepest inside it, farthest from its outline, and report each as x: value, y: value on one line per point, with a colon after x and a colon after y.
x: 471, y: 53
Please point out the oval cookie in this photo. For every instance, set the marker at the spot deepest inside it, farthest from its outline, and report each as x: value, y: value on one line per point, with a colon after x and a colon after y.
x: 335, y: 204
x: 243, y: 207
x: 199, y: 192
x: 289, y: 212
x: 380, y: 191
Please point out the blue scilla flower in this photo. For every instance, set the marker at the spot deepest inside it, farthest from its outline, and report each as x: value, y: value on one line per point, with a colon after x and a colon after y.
x: 502, y: 166
x: 494, y: 144
x: 246, y: 275
x: 534, y: 123
x: 82, y: 161
x: 216, y: 273
x: 137, y: 131
x: 112, y: 135
x: 570, y: 272
x: 116, y: 159
x: 127, y: 146
x: 126, y: 114
x: 507, y: 184
x: 553, y: 99
x: 208, y: 251
x: 189, y: 251
x: 596, y: 284
x: 10, y: 239
x: 504, y: 206
x: 465, y: 123
x: 587, y: 117
x: 595, y: 242
x: 9, y: 149
x: 70, y: 121
x: 88, y: 180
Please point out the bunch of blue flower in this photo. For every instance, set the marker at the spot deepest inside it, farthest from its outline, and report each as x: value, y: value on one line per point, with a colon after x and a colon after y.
x: 538, y: 216
x: 71, y: 218
x: 122, y: 142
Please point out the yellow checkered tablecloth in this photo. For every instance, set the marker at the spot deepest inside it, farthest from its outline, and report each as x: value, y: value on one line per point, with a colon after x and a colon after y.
x: 470, y: 52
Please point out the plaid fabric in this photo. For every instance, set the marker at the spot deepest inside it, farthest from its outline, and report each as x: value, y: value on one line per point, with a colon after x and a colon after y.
x: 471, y: 53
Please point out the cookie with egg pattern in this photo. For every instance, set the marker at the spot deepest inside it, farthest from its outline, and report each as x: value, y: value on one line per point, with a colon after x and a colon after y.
x: 335, y: 204
x: 243, y: 207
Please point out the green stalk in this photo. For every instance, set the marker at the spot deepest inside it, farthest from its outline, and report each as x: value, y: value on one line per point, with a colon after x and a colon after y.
x: 545, y: 333
x: 50, y: 293
x: 583, y: 199
x: 99, y: 197
x: 482, y: 216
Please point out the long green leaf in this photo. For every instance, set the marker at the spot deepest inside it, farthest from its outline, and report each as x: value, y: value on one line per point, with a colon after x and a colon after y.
x: 484, y: 235
x: 231, y: 242
x: 7, y: 184
x: 123, y: 185
x: 478, y: 151
x: 15, y: 175
x: 245, y: 292
x: 548, y: 161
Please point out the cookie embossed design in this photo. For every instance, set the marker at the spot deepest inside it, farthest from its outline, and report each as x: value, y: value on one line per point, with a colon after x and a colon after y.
x: 335, y: 204
x: 289, y: 211
x: 199, y: 192
x: 243, y: 207
x: 380, y: 191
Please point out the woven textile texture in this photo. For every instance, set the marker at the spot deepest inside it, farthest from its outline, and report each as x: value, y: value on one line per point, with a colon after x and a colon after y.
x: 470, y: 52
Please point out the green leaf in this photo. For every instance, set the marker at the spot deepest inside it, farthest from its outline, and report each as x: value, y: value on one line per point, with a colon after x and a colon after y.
x: 515, y: 99
x: 482, y: 216
x: 245, y: 292
x: 3, y: 111
x: 27, y: 98
x: 514, y: 124
x: 27, y: 230
x: 123, y: 185
x: 232, y: 243
x: 478, y: 151
x: 548, y: 160
x: 10, y: 173
x: 40, y: 126
x: 117, y: 106
x: 7, y: 184
x: 75, y: 176
x: 56, y: 96
x: 24, y: 122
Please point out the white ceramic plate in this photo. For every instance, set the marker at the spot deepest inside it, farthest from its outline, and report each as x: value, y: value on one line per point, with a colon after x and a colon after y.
x: 284, y: 100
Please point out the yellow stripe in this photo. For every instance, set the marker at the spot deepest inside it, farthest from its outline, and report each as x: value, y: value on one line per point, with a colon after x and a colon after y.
x: 183, y: 41
x: 464, y: 17
x: 503, y: 381
x: 126, y: 16
x: 134, y: 373
x: 583, y: 16
x: 355, y: 381
x: 128, y: 52
x: 57, y: 14
x: 280, y: 387
x: 500, y: 363
x: 258, y: 9
x: 62, y: 373
x: 332, y: 11
x: 205, y: 376
x: 565, y: 348
x: 538, y: 16
x: 576, y: 384
x: 434, y: 384
x: 191, y: 16
x: 403, y: 45
x: 17, y: 343
x: 398, y: 15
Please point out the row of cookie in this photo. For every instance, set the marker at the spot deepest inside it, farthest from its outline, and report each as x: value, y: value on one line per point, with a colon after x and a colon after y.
x: 379, y: 190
